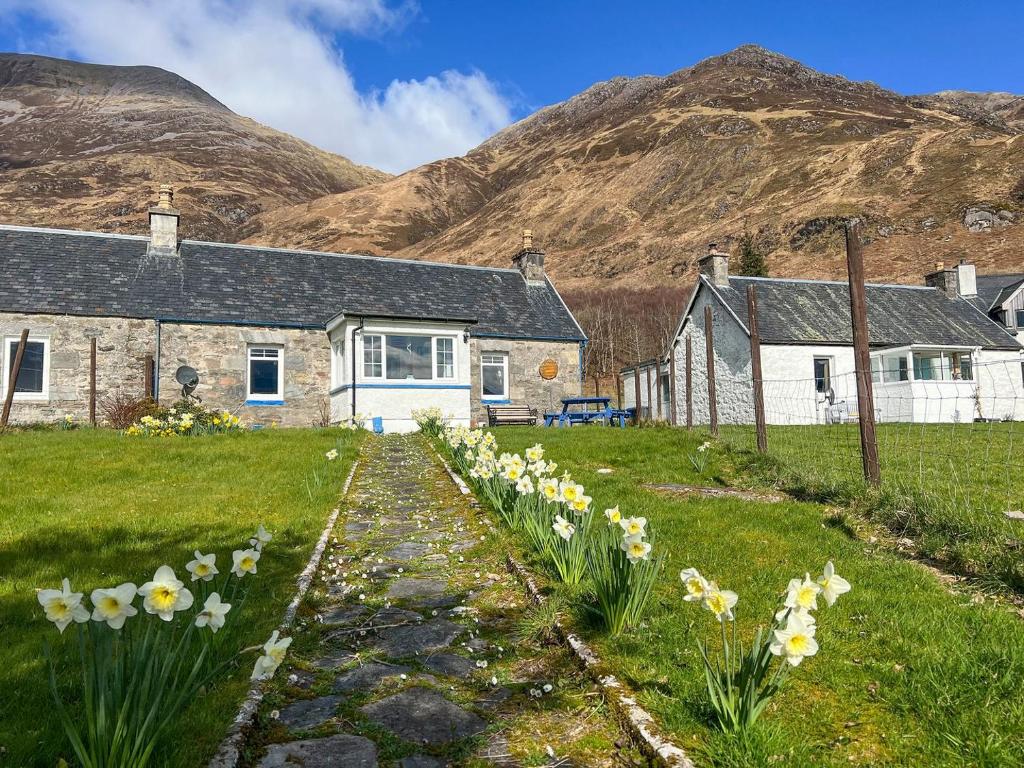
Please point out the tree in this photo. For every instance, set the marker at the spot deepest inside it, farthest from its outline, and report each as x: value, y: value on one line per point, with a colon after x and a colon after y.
x: 752, y: 262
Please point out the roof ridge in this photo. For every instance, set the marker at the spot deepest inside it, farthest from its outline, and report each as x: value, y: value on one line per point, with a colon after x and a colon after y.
x: 57, y: 231
x: 829, y: 282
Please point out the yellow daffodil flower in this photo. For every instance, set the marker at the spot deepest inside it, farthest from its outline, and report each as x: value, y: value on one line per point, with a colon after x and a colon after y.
x: 795, y: 641
x: 165, y: 594
x: 244, y: 561
x: 636, y: 548
x: 114, y: 605
x: 696, y: 585
x: 613, y: 515
x: 634, y: 526
x: 802, y: 594
x: 720, y: 602
x: 62, y: 606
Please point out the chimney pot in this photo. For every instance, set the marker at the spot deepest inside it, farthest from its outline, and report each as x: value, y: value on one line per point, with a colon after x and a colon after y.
x: 712, y: 248
x: 527, y: 239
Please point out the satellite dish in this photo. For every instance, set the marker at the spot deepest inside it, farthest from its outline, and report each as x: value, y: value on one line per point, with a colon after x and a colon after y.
x: 188, y: 377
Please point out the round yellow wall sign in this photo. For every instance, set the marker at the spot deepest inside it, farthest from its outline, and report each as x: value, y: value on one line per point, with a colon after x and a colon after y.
x: 548, y: 369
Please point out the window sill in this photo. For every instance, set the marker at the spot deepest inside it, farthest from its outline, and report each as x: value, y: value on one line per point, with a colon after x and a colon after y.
x: 264, y: 402
x: 495, y: 401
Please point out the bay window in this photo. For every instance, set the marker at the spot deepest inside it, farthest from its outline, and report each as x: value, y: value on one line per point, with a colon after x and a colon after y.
x: 408, y: 357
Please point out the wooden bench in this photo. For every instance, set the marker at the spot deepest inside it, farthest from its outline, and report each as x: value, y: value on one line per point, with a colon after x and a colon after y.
x: 503, y: 415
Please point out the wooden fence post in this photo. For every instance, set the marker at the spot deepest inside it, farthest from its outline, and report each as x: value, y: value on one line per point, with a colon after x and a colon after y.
x: 862, y: 355
x: 650, y: 403
x: 92, y: 381
x: 636, y: 399
x: 709, y: 336
x: 672, y: 417
x: 689, y: 383
x: 657, y: 386
x: 148, y: 374
x: 12, y: 383
x: 618, y: 390
x: 755, y: 370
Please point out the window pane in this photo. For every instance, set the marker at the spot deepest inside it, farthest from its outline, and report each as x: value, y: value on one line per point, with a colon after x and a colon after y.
x: 30, y: 375
x: 263, y: 377
x: 930, y: 366
x: 372, y: 360
x: 492, y: 375
x: 1020, y: 318
x: 408, y: 357
x: 821, y: 374
x: 445, y: 359
x: 894, y: 368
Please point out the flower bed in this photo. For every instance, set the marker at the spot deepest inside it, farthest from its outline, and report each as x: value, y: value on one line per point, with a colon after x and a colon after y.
x: 186, y: 417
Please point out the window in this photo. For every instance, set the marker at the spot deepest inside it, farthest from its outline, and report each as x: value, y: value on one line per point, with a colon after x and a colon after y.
x: 930, y: 366
x: 373, y: 360
x: 266, y: 374
x: 408, y: 357
x: 963, y: 369
x: 894, y: 368
x: 1019, y: 314
x: 876, y: 369
x: 822, y: 374
x: 445, y: 358
x: 494, y: 375
x: 33, y: 376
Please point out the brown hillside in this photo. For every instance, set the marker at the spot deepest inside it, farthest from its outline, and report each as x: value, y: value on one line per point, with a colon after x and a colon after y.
x: 627, y: 182
x: 85, y: 146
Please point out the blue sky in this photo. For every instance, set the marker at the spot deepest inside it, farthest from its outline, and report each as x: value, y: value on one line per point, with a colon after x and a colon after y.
x: 395, y: 83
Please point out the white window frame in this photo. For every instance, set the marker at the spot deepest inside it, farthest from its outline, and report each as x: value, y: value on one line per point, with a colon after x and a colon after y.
x: 504, y: 365
x: 264, y: 397
x: 383, y: 352
x: 8, y: 356
x: 380, y: 350
x: 437, y: 352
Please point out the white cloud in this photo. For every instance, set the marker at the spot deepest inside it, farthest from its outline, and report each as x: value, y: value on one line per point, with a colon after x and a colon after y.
x: 277, y: 62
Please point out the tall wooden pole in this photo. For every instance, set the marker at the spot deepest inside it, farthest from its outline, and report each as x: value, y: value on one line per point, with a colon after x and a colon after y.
x: 709, y: 337
x: 92, y: 382
x: 148, y: 374
x: 689, y: 383
x: 13, y: 381
x: 861, y: 354
x: 636, y: 394
x: 650, y: 403
x: 673, y: 416
x: 657, y: 386
x: 618, y: 390
x: 755, y: 370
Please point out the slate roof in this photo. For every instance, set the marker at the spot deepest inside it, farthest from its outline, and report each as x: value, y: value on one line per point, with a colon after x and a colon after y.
x: 79, y: 273
x: 818, y: 312
x: 993, y: 290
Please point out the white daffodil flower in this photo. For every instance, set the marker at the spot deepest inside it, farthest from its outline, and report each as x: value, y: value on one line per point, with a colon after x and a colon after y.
x: 114, y: 605
x: 273, y: 655
x: 634, y: 526
x: 332, y: 454
x: 696, y: 585
x: 261, y: 538
x: 62, y: 606
x: 525, y: 485
x: 213, y: 613
x: 549, y: 487
x: 535, y: 453
x: 244, y: 561
x: 203, y: 567
x: 832, y: 584
x: 613, y: 515
x: 512, y: 473
x: 570, y: 491
x: 720, y: 602
x: 802, y: 594
x: 782, y: 615
x: 563, y: 527
x: 165, y: 594
x: 582, y: 503
x: 795, y: 641
x: 636, y: 548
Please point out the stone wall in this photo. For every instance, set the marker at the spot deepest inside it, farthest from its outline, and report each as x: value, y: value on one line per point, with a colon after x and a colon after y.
x: 526, y: 387
x: 220, y: 355
x: 122, y: 345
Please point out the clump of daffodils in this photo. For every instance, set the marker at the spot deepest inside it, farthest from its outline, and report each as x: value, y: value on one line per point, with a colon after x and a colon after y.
x: 740, y: 683
x: 187, y: 417
x: 431, y: 421
x: 150, y: 649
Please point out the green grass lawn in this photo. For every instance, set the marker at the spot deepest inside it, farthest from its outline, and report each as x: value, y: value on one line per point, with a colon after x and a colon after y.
x: 908, y: 673
x: 102, y: 509
x: 946, y: 486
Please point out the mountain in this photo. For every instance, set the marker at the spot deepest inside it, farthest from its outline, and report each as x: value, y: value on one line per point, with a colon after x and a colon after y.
x: 85, y: 146
x: 627, y: 182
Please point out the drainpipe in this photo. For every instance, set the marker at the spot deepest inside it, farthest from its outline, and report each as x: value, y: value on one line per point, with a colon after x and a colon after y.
x: 156, y: 366
x: 352, y: 346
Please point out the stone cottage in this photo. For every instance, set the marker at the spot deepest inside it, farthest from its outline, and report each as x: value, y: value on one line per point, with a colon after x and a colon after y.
x: 277, y: 336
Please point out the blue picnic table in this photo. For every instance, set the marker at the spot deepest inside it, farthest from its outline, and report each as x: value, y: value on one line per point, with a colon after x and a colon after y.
x: 585, y: 414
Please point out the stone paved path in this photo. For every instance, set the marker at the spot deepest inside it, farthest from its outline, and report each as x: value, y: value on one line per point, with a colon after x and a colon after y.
x: 411, y: 650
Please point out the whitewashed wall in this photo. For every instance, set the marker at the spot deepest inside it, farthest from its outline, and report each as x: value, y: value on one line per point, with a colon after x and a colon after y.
x: 1000, y: 384
x: 648, y: 395
x: 789, y: 391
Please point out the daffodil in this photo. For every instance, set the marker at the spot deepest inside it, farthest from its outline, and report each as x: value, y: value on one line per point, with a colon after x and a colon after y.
x: 802, y: 594
x: 563, y: 527
x: 782, y: 615
x: 720, y: 602
x: 114, y: 605
x: 273, y: 655
x: 332, y: 454
x: 832, y: 584
x: 796, y: 640
x: 613, y: 515
x: 203, y: 567
x: 525, y: 485
x: 213, y: 613
x: 512, y: 473
x: 570, y: 491
x: 165, y: 594
x: 62, y: 606
x: 535, y: 453
x: 634, y: 526
x: 581, y: 503
x: 636, y: 548
x: 244, y: 561
x: 696, y: 585
x: 549, y: 487
x: 261, y: 538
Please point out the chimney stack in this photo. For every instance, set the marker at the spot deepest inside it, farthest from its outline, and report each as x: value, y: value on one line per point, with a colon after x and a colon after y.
x: 715, y: 266
x: 945, y: 280
x: 163, y: 224
x: 966, y: 278
x: 530, y: 260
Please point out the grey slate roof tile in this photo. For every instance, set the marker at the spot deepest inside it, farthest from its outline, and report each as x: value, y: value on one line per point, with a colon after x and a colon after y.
x: 818, y: 312
x: 60, y: 272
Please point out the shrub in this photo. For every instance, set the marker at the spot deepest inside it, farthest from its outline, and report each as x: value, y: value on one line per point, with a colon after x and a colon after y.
x: 120, y: 410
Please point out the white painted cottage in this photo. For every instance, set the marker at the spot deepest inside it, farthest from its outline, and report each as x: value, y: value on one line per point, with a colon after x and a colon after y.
x: 936, y: 357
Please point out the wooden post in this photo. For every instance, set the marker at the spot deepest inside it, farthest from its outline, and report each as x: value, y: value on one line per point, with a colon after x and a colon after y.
x: 148, y: 383
x: 92, y: 381
x: 672, y: 417
x: 755, y: 370
x: 689, y: 383
x: 709, y: 336
x: 636, y: 397
x: 12, y: 383
x: 650, y: 403
x: 657, y: 386
x: 618, y: 390
x: 861, y: 354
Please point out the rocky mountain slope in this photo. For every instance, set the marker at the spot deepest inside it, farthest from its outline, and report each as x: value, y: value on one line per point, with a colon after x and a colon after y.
x: 85, y: 146
x: 626, y: 182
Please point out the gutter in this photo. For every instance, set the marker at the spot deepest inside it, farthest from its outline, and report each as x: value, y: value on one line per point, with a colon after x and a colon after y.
x: 156, y: 366
x: 357, y: 329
